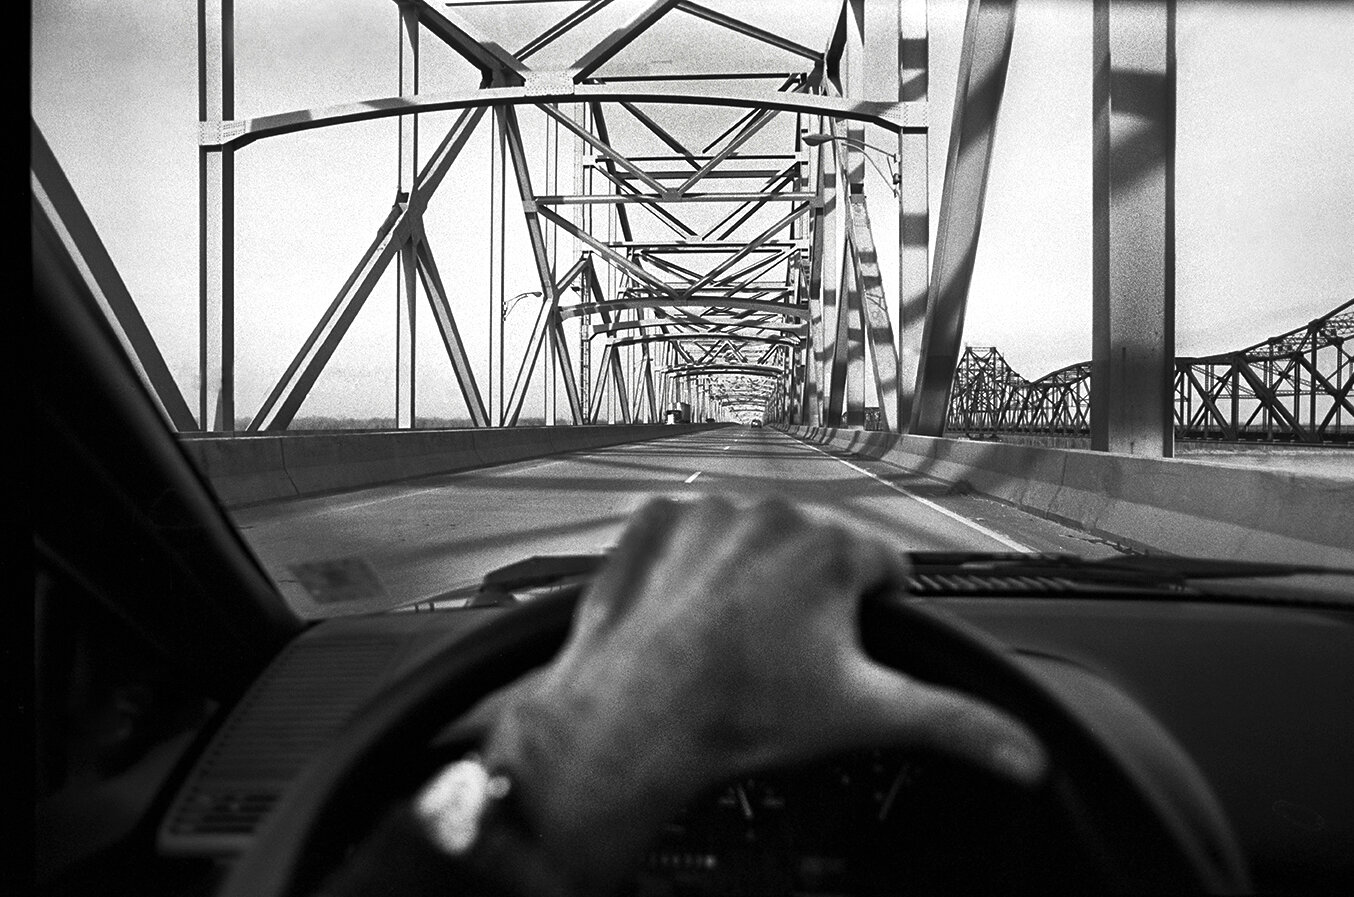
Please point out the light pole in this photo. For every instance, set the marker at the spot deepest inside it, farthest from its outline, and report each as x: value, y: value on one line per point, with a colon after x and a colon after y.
x: 891, y: 178
x: 512, y: 303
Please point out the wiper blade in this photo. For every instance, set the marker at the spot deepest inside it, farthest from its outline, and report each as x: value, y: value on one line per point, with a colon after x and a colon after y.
x: 504, y: 585
x: 501, y: 586
x: 541, y: 570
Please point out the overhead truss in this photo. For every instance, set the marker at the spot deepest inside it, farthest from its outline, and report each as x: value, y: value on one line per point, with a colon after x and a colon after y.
x: 693, y: 260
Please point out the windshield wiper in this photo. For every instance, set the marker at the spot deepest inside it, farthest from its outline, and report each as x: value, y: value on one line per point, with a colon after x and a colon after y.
x: 503, y: 585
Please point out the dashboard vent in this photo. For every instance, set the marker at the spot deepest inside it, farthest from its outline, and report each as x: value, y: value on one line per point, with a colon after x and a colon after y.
x: 940, y: 584
x: 310, y: 691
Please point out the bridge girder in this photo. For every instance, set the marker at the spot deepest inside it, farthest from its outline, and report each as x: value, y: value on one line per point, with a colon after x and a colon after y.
x: 765, y: 253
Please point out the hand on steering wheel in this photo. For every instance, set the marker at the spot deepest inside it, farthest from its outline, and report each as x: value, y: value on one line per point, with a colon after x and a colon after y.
x: 715, y: 642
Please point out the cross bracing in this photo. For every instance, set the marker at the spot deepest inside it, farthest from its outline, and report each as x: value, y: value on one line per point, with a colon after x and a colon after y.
x: 702, y: 216
x: 684, y: 234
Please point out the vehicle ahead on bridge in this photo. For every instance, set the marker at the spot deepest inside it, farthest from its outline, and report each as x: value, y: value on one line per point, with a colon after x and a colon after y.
x: 195, y: 732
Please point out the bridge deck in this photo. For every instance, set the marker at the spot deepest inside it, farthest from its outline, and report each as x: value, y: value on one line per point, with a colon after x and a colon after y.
x: 423, y: 537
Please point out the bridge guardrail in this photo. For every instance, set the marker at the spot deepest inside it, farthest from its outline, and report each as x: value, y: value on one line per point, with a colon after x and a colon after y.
x: 1168, y: 505
x: 257, y: 468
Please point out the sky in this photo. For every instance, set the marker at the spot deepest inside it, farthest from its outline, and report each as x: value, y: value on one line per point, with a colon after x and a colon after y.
x: 1264, y: 202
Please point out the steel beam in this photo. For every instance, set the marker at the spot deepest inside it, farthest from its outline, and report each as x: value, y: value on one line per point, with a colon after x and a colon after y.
x: 825, y: 279
x: 890, y: 116
x: 780, y: 308
x: 545, y: 330
x: 572, y: 393
x: 698, y: 337
x: 743, y: 28
x: 878, y: 326
x: 616, y: 259
x: 550, y: 298
x: 54, y: 196
x: 774, y: 186
x: 604, y: 148
x: 496, y: 65
x: 651, y: 203
x: 402, y: 222
x: 216, y: 217
x: 561, y: 28
x: 751, y: 246
x: 914, y: 204
x: 639, y: 198
x: 451, y: 335
x: 982, y: 79
x: 406, y: 275
x: 553, y: 355
x: 1133, y: 228
x: 662, y: 134
x: 703, y: 320
x: 607, y: 48
x: 498, y: 160
x: 703, y: 370
x: 852, y: 336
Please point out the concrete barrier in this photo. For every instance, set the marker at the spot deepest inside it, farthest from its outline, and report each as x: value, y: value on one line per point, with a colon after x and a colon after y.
x: 254, y: 468
x: 1168, y: 505
x: 242, y: 470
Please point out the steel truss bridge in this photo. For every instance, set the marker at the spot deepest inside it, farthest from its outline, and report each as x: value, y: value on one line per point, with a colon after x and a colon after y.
x: 737, y: 271
x: 1294, y: 387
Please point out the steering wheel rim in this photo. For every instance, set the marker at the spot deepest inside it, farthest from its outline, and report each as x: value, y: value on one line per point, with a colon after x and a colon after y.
x: 1119, y: 826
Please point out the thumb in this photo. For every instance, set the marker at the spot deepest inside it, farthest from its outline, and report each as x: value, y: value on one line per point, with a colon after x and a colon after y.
x: 912, y: 713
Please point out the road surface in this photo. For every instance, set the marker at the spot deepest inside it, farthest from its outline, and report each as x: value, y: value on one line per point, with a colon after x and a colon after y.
x: 413, y: 540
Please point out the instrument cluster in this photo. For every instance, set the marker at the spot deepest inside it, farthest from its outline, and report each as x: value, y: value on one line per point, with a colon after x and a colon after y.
x: 838, y: 827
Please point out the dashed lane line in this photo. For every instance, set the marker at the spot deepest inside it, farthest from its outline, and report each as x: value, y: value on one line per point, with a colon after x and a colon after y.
x: 960, y: 518
x: 692, y: 478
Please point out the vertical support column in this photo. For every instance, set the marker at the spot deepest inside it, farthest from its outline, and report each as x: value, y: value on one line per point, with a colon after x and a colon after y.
x: 498, y: 151
x: 216, y: 218
x: 619, y: 398
x: 406, y: 303
x: 1133, y: 228
x: 829, y: 282
x: 810, y: 274
x: 552, y: 353
x: 853, y: 84
x: 406, y: 279
x: 914, y: 204
x: 983, y: 62
x: 853, y: 88
x: 854, y: 330
x: 585, y: 350
x: 583, y: 186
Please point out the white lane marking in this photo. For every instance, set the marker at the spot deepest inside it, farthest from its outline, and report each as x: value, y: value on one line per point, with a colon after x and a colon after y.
x: 376, y: 501
x: 692, y: 478
x: 960, y: 518
x: 727, y: 447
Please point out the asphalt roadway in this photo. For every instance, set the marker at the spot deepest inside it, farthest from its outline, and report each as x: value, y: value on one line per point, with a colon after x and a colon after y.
x: 388, y: 545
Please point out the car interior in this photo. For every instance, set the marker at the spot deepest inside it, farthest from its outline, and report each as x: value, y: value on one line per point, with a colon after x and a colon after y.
x: 194, y: 736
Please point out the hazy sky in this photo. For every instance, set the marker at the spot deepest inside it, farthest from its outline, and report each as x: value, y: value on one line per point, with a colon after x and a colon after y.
x: 1265, y: 185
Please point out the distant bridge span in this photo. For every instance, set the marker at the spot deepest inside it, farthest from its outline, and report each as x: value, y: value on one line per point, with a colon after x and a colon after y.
x: 1294, y: 387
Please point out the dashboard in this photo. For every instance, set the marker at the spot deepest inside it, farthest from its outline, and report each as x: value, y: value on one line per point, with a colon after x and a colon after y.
x: 873, y: 822
x: 1254, y: 700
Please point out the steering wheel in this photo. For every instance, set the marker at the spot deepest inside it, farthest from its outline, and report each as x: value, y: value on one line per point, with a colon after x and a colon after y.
x: 1123, y: 828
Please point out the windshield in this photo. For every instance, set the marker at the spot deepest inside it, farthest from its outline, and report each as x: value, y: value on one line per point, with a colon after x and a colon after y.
x: 425, y: 289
